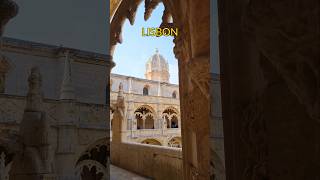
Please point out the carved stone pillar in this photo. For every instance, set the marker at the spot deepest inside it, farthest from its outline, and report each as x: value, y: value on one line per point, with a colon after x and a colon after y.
x: 270, y: 88
x: 35, y: 162
x: 158, y: 117
x: 195, y: 105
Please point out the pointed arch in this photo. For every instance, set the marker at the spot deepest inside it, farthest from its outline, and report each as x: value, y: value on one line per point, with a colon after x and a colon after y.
x: 171, y: 117
x: 145, y: 116
x: 151, y: 142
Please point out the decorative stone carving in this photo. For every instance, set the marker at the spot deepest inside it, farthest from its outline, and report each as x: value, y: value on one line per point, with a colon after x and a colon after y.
x: 150, y: 5
x: 254, y: 137
x: 2, y: 166
x: 4, y: 64
x: 118, y: 116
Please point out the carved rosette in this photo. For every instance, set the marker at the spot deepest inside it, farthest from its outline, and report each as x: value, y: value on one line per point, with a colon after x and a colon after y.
x: 8, y: 10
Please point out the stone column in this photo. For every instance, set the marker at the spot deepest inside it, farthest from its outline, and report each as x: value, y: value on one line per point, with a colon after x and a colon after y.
x: 158, y: 117
x: 270, y: 88
x: 192, y: 49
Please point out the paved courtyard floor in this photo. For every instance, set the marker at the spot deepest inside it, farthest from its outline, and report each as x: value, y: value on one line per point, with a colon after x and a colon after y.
x: 117, y: 173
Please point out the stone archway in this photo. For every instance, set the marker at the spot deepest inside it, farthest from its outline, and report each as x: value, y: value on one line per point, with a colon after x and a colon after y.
x: 92, y: 164
x: 170, y: 117
x: 175, y: 142
x: 151, y: 142
x: 145, y: 117
x: 192, y: 49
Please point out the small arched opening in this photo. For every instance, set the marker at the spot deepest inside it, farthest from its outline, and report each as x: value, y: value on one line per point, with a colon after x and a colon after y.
x: 145, y: 117
x: 151, y: 141
x: 145, y: 90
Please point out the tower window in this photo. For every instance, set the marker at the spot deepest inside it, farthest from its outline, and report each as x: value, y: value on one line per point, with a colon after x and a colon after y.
x: 174, y: 94
x: 146, y: 91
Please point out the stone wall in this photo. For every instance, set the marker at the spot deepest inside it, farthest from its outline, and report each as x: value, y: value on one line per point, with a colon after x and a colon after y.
x: 159, y: 163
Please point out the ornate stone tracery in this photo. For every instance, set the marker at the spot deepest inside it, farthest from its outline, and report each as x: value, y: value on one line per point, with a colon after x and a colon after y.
x: 170, y: 118
x: 192, y: 51
x: 145, y: 118
x: 93, y: 162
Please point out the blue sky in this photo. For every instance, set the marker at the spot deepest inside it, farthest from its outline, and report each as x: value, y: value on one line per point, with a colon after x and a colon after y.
x: 130, y: 56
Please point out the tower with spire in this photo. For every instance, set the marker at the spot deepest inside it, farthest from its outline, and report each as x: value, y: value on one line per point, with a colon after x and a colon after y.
x: 157, y: 68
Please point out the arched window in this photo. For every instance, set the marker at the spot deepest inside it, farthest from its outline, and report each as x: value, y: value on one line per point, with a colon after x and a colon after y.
x: 170, y: 116
x: 174, y: 94
x: 146, y: 91
x: 145, y: 118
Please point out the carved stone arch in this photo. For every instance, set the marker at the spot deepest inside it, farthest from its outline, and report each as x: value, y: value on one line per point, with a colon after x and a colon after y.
x: 127, y: 10
x: 175, y: 142
x: 93, y: 163
x: 145, y: 116
x: 173, y: 108
x: 192, y: 49
x: 151, y: 142
x: 171, y: 117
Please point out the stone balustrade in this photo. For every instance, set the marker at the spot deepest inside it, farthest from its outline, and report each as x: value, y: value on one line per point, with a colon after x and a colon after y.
x: 147, y: 160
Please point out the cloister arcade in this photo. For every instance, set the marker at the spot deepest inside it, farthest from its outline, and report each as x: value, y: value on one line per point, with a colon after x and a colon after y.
x: 145, y: 117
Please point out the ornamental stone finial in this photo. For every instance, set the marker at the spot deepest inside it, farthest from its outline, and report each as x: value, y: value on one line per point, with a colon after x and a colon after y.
x: 67, y: 90
x: 120, y: 98
x: 34, y: 96
x: 120, y: 92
